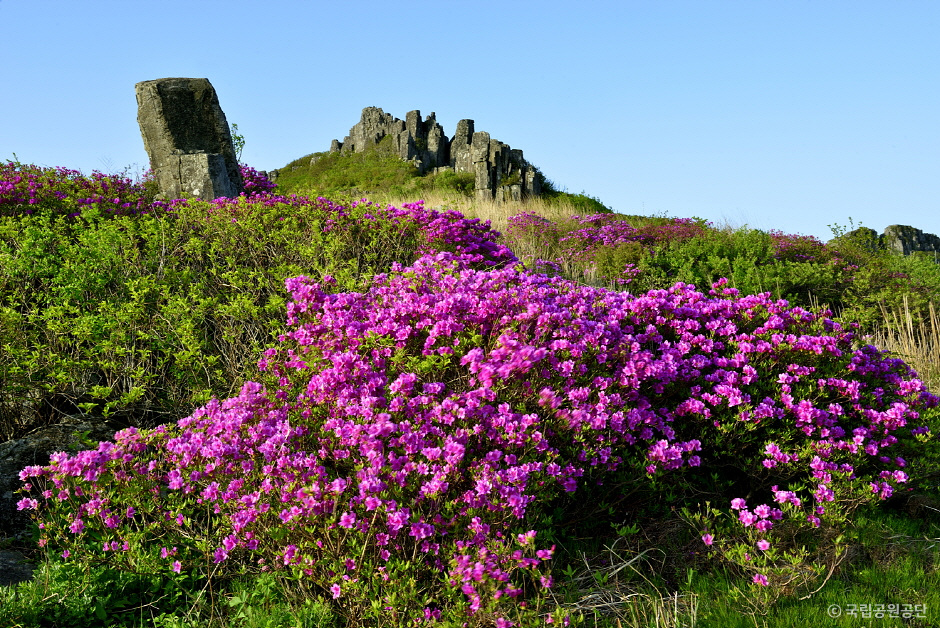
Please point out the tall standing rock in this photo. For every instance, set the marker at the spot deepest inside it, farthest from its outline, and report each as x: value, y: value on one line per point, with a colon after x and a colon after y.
x: 479, y: 158
x: 187, y: 138
x: 460, y: 159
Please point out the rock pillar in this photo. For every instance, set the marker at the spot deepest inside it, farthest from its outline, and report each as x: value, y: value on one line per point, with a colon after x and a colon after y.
x: 187, y: 138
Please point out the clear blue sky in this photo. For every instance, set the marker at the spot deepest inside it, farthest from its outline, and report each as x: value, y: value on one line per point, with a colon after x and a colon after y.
x: 778, y: 114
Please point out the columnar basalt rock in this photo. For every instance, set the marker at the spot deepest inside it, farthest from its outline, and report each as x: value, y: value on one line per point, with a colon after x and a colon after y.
x: 501, y: 173
x: 187, y: 138
x: 459, y: 158
x: 371, y: 128
x: 900, y: 239
x: 906, y: 240
x: 479, y: 157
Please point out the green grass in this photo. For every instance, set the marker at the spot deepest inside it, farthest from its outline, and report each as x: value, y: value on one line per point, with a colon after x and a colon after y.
x: 378, y: 174
x: 893, y: 558
x: 353, y: 175
x: 63, y: 595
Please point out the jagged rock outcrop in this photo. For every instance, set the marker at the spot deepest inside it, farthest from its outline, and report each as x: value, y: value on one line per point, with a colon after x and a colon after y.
x: 187, y: 138
x: 500, y: 172
x: 906, y: 240
x: 901, y: 239
x: 413, y: 139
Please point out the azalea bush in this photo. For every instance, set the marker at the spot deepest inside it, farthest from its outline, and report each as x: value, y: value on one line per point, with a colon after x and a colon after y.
x: 852, y: 277
x: 256, y: 182
x: 411, y: 451
x: 27, y: 189
x: 582, y: 245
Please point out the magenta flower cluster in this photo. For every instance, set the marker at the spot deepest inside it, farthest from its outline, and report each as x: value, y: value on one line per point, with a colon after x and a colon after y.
x: 607, y: 230
x: 429, y: 419
x: 799, y: 248
x: 26, y: 189
x: 596, y: 231
x: 255, y: 182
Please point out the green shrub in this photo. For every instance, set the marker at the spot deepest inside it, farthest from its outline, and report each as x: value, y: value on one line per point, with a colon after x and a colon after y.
x: 145, y: 317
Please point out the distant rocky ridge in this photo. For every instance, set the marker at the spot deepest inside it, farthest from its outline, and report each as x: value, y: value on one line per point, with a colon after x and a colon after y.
x: 900, y: 239
x: 500, y: 172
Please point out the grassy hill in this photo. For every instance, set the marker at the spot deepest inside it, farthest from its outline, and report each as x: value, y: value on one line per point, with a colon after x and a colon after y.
x: 379, y: 175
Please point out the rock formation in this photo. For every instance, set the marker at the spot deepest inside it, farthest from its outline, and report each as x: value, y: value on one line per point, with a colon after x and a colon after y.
x: 501, y: 173
x: 187, y: 138
x: 906, y: 240
x: 900, y: 239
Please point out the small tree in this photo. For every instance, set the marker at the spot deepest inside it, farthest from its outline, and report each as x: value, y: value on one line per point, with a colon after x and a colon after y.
x: 238, y: 140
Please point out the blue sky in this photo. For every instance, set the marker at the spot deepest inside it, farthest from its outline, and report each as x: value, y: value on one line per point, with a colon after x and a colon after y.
x: 777, y: 114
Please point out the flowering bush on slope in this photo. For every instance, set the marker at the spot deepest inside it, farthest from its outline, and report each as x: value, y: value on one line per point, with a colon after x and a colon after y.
x: 27, y: 189
x: 582, y: 236
x: 579, y: 245
x: 255, y: 182
x: 400, y: 441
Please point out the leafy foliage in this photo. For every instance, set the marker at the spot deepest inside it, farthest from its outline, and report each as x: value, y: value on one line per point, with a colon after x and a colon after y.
x: 146, y: 312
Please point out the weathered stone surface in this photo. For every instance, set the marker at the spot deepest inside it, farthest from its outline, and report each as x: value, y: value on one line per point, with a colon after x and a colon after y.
x: 500, y: 172
x: 371, y: 128
x: 459, y: 158
x: 900, y: 239
x: 437, y: 142
x: 906, y: 240
x: 480, y: 147
x: 14, y: 568
x: 532, y: 182
x: 187, y: 138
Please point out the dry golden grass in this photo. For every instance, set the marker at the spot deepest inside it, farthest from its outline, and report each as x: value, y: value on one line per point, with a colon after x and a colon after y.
x: 620, y: 593
x: 918, y: 344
